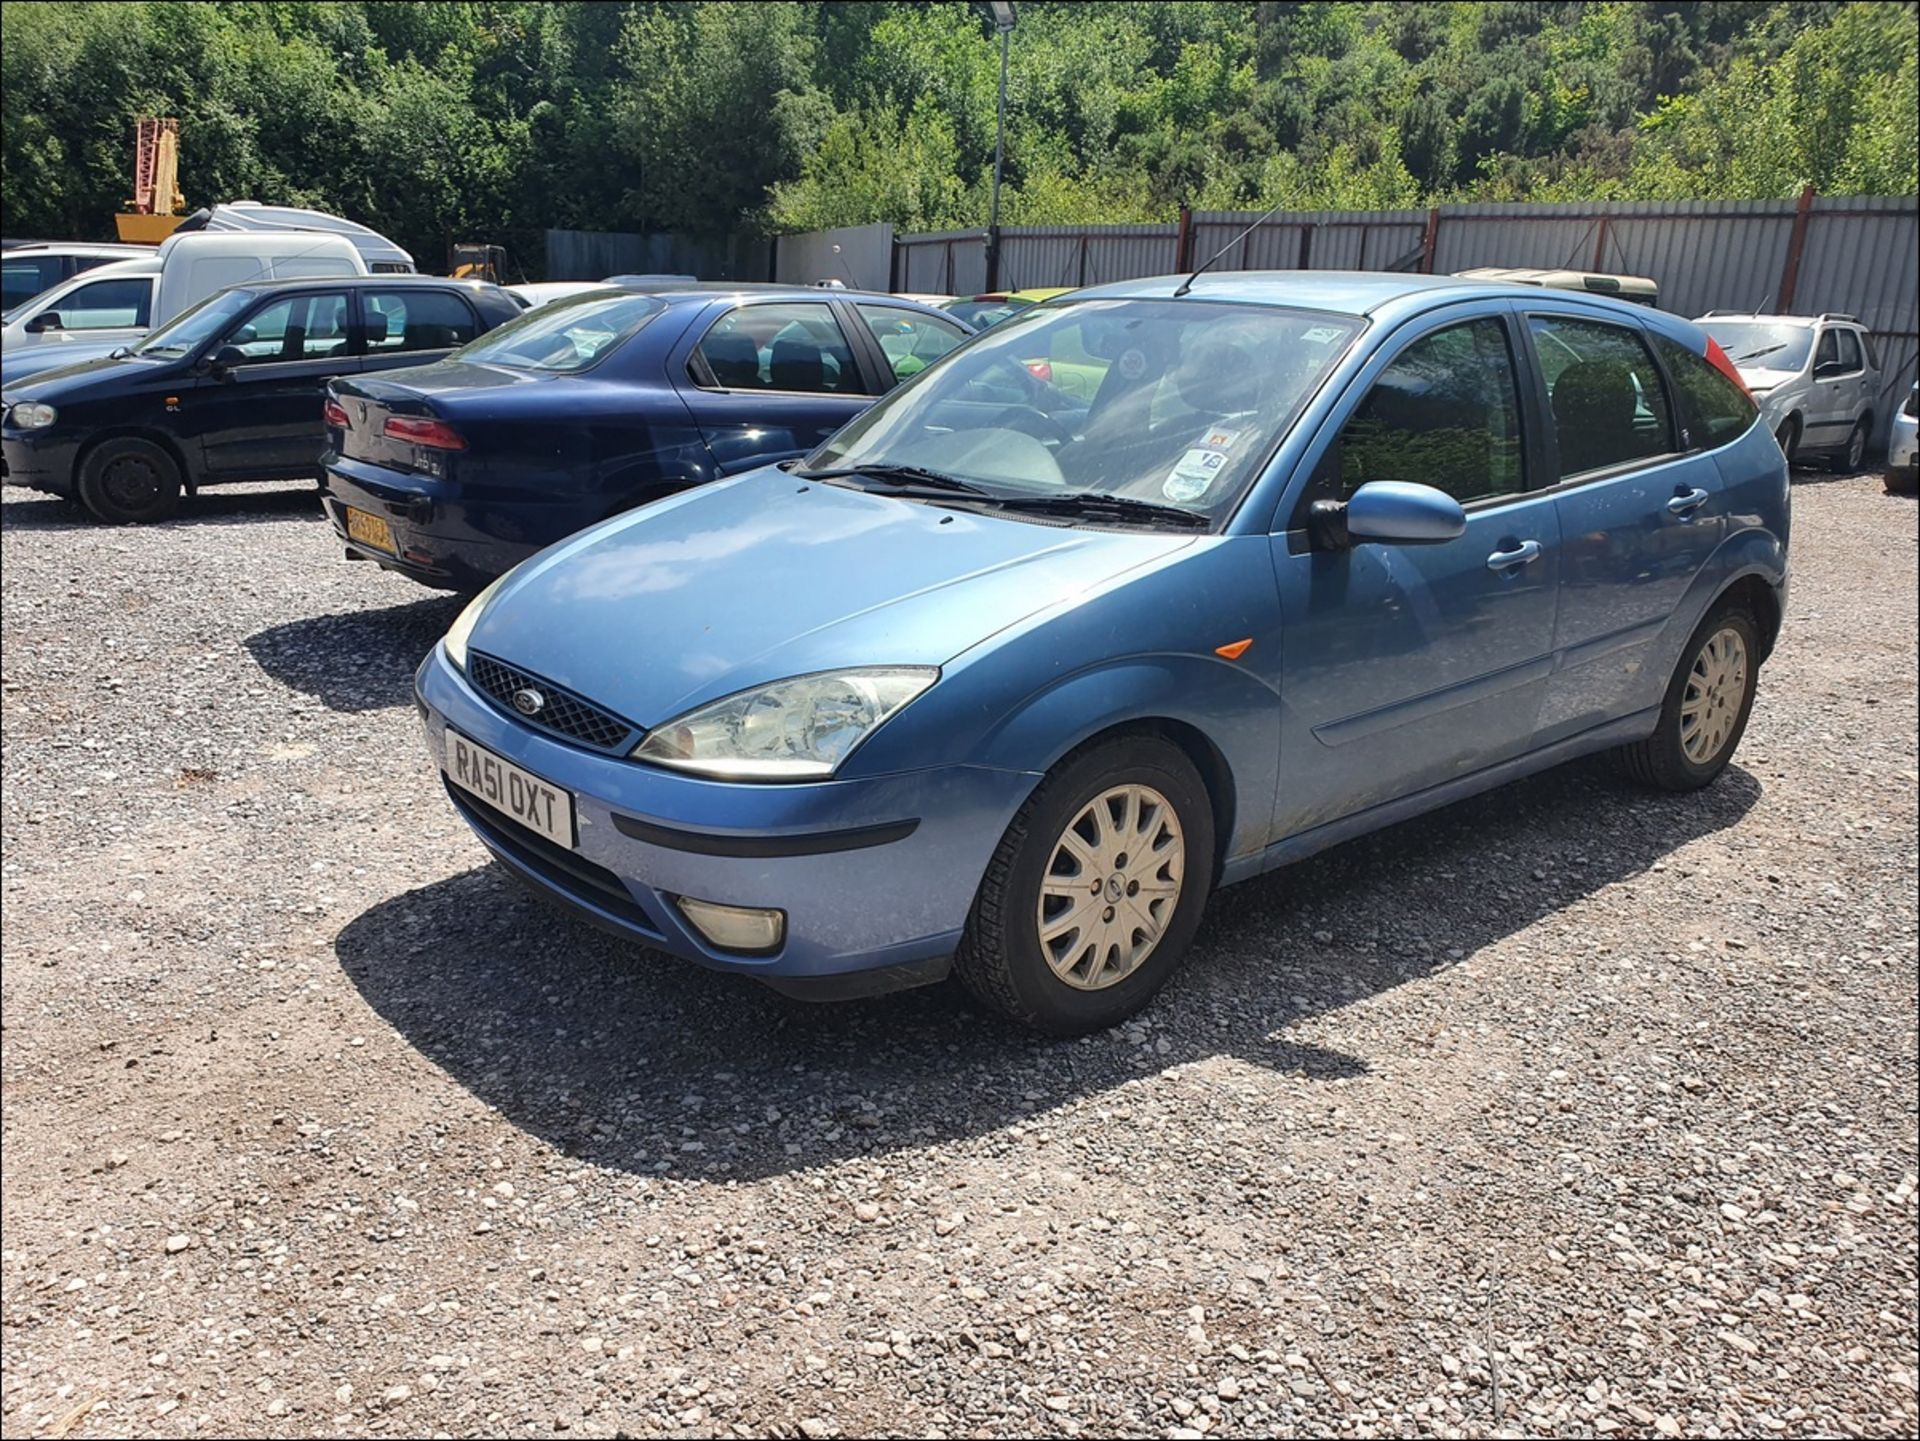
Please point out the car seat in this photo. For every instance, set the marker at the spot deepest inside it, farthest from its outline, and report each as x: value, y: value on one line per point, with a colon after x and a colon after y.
x: 798, y: 365
x: 1593, y: 402
x: 734, y: 361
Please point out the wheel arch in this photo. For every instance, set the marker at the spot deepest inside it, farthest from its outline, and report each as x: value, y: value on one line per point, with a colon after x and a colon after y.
x: 188, y: 479
x: 1216, y: 774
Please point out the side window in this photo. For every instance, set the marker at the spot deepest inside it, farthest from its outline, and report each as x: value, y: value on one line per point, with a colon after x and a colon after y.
x: 1829, y: 351
x: 22, y: 278
x: 1713, y: 410
x: 104, y: 304
x: 1446, y: 413
x: 1604, y: 394
x: 795, y: 347
x: 1849, y: 350
x: 411, y: 319
x: 300, y: 327
x: 911, y: 341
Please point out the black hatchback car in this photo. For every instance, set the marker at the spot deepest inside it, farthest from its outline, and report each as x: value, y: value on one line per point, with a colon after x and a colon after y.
x: 230, y: 390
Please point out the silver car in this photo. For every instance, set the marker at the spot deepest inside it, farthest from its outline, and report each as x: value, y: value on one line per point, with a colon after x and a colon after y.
x: 1815, y: 377
x: 1903, y: 470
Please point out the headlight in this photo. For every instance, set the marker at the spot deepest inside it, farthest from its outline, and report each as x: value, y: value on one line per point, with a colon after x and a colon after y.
x: 32, y: 415
x: 457, y: 633
x: 799, y: 729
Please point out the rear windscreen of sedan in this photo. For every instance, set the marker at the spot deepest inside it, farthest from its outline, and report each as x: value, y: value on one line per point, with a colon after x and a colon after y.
x: 565, y: 335
x: 1176, y: 402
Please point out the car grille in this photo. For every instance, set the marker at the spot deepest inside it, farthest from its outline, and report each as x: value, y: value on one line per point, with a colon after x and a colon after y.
x: 564, y: 713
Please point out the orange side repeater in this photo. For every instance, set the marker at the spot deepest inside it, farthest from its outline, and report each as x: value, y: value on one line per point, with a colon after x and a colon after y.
x: 1235, y: 650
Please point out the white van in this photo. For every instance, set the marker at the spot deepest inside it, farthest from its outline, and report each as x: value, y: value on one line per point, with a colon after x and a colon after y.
x: 102, y: 309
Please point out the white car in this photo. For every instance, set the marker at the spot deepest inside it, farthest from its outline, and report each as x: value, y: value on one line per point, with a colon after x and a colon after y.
x: 540, y: 292
x: 1815, y: 377
x: 1903, y: 478
x: 109, y: 302
x: 31, y: 269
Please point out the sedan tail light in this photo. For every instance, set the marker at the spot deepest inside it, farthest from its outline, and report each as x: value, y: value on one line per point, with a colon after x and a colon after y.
x: 422, y: 430
x: 337, y: 415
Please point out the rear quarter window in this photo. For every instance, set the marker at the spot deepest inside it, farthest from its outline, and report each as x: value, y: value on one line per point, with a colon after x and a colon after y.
x: 1713, y: 410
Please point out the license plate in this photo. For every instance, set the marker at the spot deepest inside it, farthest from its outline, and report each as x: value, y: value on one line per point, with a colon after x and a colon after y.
x: 370, y: 530
x: 540, y: 806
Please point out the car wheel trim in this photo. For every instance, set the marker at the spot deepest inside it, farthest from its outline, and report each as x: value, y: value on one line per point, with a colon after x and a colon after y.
x: 1112, y: 886
x: 1716, y: 689
x: 130, y: 482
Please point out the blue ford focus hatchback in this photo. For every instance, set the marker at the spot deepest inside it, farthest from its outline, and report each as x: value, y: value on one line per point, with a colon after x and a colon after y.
x: 1004, y: 680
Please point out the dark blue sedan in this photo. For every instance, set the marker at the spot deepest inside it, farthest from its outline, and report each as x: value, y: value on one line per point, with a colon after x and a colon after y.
x: 589, y: 406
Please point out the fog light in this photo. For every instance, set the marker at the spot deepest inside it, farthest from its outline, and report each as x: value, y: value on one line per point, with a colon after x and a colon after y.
x: 745, y: 929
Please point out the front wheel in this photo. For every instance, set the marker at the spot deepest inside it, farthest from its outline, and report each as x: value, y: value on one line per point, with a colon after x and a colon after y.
x: 127, y: 481
x: 1788, y: 436
x: 1707, y: 705
x: 1095, y: 891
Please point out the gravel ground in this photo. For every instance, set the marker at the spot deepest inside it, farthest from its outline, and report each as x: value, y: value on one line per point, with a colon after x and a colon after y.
x: 1569, y: 1110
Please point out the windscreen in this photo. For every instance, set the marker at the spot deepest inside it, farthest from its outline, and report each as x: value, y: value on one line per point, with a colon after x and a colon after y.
x: 1761, y: 344
x: 1177, y: 403
x: 564, y: 335
x: 195, y: 325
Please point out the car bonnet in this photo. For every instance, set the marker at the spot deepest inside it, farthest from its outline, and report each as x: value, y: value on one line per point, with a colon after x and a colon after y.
x: 768, y: 576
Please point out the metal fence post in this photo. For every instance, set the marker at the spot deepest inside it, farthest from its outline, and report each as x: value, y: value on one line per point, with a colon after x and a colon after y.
x: 1430, y: 241
x: 1183, y: 242
x: 1790, y: 273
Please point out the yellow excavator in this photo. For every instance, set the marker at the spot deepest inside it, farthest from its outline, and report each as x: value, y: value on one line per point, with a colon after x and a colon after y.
x: 157, y: 207
x: 474, y: 261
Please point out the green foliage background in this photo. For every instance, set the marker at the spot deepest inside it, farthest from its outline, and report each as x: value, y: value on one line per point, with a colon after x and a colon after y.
x: 495, y: 119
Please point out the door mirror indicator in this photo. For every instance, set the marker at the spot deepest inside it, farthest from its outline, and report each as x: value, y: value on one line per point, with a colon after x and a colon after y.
x: 1390, y: 512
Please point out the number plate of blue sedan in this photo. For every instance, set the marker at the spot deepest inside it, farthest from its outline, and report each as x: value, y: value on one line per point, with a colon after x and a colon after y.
x: 540, y: 806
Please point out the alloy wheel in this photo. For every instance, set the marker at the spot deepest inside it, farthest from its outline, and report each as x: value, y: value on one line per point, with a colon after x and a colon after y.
x: 1716, y: 691
x: 1111, y: 887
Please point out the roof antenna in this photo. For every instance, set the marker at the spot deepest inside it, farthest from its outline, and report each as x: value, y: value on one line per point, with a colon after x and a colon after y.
x: 1187, y: 284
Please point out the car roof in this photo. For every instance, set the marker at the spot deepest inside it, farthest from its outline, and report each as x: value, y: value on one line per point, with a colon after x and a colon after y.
x: 359, y: 282
x: 1352, y: 292
x: 78, y: 247
x: 1800, y: 320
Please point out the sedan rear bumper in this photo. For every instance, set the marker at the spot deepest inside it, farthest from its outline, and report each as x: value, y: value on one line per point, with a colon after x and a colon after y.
x: 875, y: 877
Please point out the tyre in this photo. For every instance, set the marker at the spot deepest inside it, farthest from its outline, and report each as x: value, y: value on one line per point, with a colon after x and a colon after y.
x: 1902, y: 480
x: 1847, y: 460
x: 1707, y: 705
x: 125, y: 481
x: 1789, y: 437
x: 1095, y: 891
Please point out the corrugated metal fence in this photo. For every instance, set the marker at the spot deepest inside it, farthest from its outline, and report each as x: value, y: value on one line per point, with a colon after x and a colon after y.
x: 1819, y: 253
x: 596, y: 254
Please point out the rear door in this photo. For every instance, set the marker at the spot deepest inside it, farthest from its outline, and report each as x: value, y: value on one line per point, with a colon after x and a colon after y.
x: 1640, y: 510
x: 770, y: 380
x: 263, y: 419
x: 413, y: 325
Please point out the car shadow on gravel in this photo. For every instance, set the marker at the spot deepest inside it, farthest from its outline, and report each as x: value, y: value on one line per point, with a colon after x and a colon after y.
x: 637, y: 1061
x: 357, y: 660
x: 219, y: 506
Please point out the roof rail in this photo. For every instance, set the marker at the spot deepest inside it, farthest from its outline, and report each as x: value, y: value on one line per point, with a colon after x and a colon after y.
x: 1839, y: 315
x: 1711, y: 313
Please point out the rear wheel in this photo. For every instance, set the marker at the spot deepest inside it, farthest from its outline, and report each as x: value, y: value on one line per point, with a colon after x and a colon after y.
x: 127, y: 480
x: 1848, y: 458
x: 1788, y: 435
x: 1707, y: 705
x: 1095, y: 892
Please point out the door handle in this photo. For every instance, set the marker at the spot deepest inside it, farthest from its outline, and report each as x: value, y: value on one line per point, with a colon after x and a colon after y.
x: 1686, y: 503
x: 1526, y: 551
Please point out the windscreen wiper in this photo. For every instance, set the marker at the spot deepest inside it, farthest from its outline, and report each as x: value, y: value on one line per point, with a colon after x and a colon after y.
x: 913, y: 476
x: 1763, y: 350
x: 1102, y: 505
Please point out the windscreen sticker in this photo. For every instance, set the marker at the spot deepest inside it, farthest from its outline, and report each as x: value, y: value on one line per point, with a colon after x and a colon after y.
x: 1322, y: 334
x: 1219, y: 439
x: 1133, y: 363
x: 1193, y: 474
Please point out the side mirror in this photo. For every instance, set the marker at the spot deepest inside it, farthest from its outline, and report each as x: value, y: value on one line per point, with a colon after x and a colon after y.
x: 1827, y: 369
x: 224, y: 359
x: 43, y: 322
x: 1391, y: 512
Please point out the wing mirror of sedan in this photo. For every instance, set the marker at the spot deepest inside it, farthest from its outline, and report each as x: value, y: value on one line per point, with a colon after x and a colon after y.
x: 1390, y: 512
x: 45, y: 321
x: 1825, y: 370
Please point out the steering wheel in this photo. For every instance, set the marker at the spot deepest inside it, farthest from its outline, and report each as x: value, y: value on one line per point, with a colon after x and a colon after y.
x: 1036, y: 423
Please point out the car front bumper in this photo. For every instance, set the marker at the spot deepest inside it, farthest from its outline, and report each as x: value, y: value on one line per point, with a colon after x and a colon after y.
x: 39, y: 459
x: 875, y: 877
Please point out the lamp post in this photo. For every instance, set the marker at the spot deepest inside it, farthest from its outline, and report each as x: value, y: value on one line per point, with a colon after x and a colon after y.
x: 1003, y: 19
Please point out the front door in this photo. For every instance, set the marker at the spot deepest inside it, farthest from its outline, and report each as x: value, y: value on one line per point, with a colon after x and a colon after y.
x: 262, y: 419
x: 768, y: 381
x: 1406, y: 666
